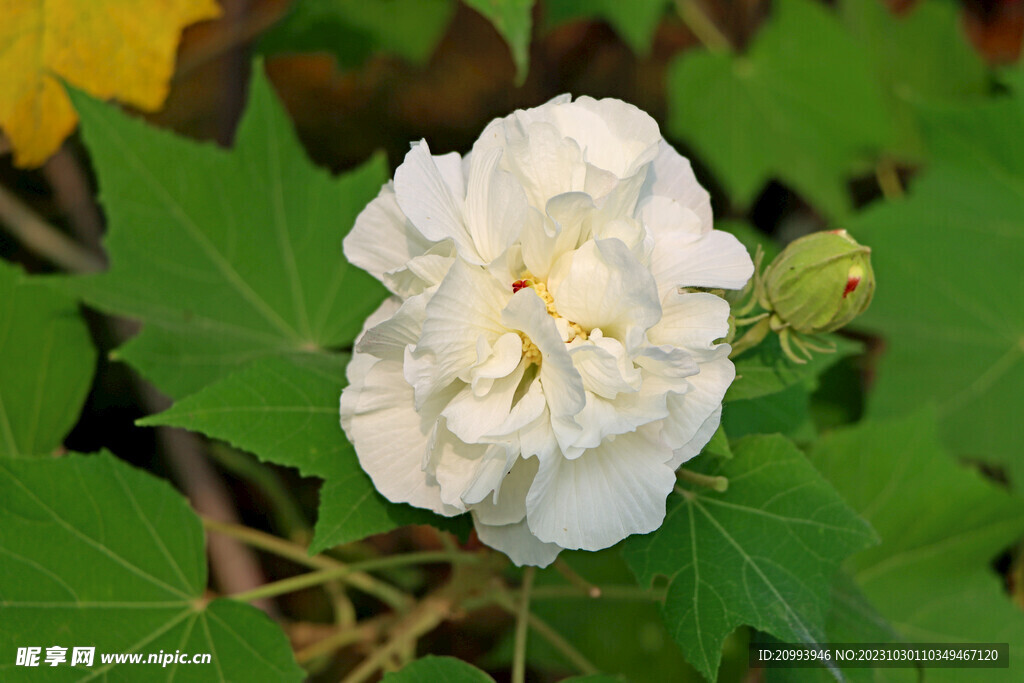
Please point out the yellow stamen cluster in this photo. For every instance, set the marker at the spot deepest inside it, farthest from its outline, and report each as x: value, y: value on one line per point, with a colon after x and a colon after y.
x: 530, y: 350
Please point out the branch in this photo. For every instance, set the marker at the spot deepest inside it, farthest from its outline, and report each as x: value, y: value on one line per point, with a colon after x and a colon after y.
x: 257, y: 539
x: 43, y: 239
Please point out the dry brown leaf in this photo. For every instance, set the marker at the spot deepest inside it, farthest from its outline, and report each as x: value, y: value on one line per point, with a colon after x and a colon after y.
x: 121, y: 49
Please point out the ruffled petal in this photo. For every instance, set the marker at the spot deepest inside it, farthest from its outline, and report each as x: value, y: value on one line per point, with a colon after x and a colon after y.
x: 427, y: 198
x: 562, y: 385
x: 471, y: 416
x: 598, y: 499
x: 516, y: 541
x: 565, y: 226
x: 388, y: 435
x: 399, y: 329
x: 605, y: 368
x: 466, y: 306
x: 691, y: 320
x: 689, y: 411
x: 694, y: 446
x: 496, y: 207
x: 614, y: 135
x: 671, y: 175
x: 717, y: 259
x: 507, y: 504
x: 602, y: 285
x: 383, y: 240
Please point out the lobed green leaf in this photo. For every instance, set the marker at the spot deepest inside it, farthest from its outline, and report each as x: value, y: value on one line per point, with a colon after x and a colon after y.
x: 47, y: 367
x: 763, y: 553
x: 225, y: 256
x: 98, y: 554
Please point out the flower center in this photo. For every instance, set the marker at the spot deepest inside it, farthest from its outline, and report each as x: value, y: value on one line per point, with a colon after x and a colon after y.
x: 530, y: 350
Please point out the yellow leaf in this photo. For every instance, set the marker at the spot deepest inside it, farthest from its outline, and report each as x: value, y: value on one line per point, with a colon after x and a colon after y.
x: 121, y: 49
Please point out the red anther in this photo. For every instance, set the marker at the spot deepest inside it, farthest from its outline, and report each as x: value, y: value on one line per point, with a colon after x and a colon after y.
x: 519, y: 284
x: 851, y: 284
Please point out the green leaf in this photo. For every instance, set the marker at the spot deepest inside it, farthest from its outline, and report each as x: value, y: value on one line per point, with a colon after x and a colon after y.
x: 47, y: 367
x: 719, y: 444
x: 355, y: 30
x: 431, y: 669
x: 98, y: 554
x: 226, y: 256
x: 851, y: 619
x: 950, y: 301
x: 514, y: 20
x: 922, y: 54
x: 778, y: 113
x: 285, y: 410
x: 763, y: 553
x: 766, y: 370
x: 635, y: 21
x: 941, y: 525
x: 351, y: 509
x: 783, y: 413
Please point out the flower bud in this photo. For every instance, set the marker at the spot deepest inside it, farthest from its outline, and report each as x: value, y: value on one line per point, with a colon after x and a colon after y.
x: 820, y: 282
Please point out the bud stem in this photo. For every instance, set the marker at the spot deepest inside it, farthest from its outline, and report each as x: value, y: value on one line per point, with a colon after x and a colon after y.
x: 720, y: 484
x: 754, y: 336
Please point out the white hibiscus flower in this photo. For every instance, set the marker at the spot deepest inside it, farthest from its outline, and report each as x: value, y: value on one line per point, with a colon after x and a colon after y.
x: 540, y: 364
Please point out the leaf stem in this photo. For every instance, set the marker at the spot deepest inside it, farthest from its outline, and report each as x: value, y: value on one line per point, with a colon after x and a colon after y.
x: 296, y: 583
x: 43, y: 239
x: 366, y: 630
x: 384, y: 592
x: 720, y: 484
x: 574, y: 656
x: 701, y: 25
x: 422, y: 619
x: 889, y: 179
x: 522, y: 616
x: 570, y: 575
x: 596, y: 593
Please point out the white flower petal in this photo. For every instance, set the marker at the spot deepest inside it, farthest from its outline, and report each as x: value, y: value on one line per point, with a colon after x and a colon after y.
x: 614, y: 135
x: 421, y: 272
x: 717, y: 259
x: 605, y: 368
x: 691, y: 320
x: 671, y: 175
x: 507, y: 504
x: 496, y: 207
x: 566, y: 224
x: 470, y: 417
x: 602, y: 285
x: 694, y: 446
x: 667, y: 361
x: 466, y: 306
x: 562, y: 385
x: 606, y: 494
x: 453, y: 464
x: 516, y: 541
x: 389, y: 437
x: 544, y: 162
x: 687, y: 412
x: 426, y: 197
x: 494, y: 361
x: 383, y: 240
x: 664, y: 217
x: 400, y: 328
x: 601, y: 418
